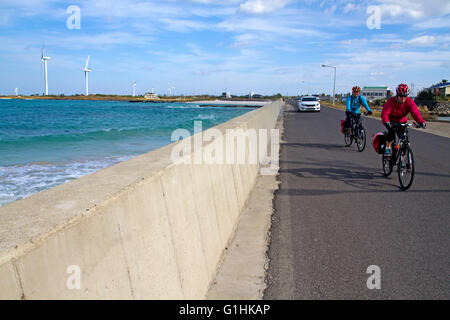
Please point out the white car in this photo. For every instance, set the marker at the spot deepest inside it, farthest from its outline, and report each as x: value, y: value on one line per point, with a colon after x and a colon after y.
x: 309, y: 104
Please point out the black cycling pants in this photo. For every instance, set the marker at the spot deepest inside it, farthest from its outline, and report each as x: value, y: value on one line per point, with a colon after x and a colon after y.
x: 394, y: 130
x: 349, y: 116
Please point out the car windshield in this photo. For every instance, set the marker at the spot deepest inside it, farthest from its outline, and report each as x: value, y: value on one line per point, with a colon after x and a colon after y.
x: 309, y: 99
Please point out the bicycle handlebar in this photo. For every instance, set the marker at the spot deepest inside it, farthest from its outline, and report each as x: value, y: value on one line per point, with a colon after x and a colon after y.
x: 414, y: 124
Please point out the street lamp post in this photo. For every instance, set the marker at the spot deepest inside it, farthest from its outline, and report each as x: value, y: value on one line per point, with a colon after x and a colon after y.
x: 303, y: 85
x: 334, y: 85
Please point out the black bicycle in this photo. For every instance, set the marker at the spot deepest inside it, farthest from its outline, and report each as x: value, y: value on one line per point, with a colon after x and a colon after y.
x: 357, y: 133
x: 402, y: 156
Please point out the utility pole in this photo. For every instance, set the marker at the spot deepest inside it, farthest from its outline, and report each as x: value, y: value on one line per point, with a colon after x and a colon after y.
x: 334, y: 85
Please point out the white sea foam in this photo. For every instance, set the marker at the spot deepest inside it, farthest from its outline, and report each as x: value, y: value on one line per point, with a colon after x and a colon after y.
x: 186, y: 106
x: 21, y: 181
x: 205, y: 117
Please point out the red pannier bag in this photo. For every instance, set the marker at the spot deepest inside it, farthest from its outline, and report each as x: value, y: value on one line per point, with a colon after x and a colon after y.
x: 379, y: 142
x: 342, y: 126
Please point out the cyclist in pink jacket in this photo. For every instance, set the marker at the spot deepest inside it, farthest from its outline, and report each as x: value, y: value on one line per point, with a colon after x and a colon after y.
x: 395, y: 111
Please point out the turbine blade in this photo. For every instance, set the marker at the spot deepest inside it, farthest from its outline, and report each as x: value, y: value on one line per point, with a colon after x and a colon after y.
x: 87, y: 61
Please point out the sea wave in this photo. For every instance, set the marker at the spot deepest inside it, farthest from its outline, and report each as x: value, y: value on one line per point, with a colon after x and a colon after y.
x: 185, y: 106
x: 102, y: 134
x: 63, y: 132
x: 21, y: 181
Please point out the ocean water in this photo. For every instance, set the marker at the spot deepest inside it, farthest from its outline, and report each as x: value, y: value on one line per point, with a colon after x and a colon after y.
x: 45, y: 143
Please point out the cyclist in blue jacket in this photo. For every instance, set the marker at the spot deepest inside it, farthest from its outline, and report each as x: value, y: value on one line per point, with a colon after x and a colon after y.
x: 353, y: 109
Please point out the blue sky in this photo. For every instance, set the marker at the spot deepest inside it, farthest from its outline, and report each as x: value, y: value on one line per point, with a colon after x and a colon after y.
x: 207, y: 46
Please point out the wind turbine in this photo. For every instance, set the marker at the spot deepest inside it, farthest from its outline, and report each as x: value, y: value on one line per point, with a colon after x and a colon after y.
x: 86, y: 71
x: 134, y: 88
x: 44, y: 60
x: 170, y: 89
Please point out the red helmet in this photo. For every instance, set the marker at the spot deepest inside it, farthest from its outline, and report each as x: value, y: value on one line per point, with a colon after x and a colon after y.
x: 356, y: 89
x: 403, y: 90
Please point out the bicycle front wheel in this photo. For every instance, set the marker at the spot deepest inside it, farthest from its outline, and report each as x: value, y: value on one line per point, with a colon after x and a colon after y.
x: 405, y: 168
x: 361, y: 139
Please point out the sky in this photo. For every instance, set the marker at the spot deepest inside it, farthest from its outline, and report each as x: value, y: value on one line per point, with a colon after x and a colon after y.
x: 209, y: 46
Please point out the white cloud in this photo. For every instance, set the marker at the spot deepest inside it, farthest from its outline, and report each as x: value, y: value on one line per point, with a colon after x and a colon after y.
x: 390, y: 66
x: 244, y: 40
x: 435, y: 23
x: 218, y: 2
x: 414, y: 9
x: 208, y: 72
x: 422, y: 41
x: 331, y: 10
x: 130, y: 9
x: 99, y: 40
x: 387, y: 39
x: 262, y: 6
x: 286, y: 70
x: 183, y: 25
x: 375, y: 75
x: 279, y: 27
x: 350, y: 7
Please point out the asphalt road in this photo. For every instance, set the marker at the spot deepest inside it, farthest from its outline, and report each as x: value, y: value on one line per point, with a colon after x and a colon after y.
x: 336, y: 215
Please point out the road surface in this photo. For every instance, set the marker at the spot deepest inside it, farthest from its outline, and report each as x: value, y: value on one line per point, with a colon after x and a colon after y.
x: 336, y: 215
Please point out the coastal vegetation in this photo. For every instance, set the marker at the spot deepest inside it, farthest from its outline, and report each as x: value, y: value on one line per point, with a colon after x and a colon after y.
x: 376, y: 109
x: 427, y: 95
x: 162, y: 98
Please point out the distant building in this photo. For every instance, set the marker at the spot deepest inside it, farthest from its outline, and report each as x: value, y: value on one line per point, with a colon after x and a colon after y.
x: 375, y: 93
x: 151, y: 96
x: 226, y: 95
x: 442, y: 89
x: 252, y: 95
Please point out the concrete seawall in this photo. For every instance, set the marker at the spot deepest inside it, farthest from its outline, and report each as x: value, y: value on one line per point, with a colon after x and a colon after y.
x: 146, y: 228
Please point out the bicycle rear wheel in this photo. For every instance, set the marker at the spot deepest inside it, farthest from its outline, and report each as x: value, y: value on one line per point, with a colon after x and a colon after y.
x: 387, y: 167
x: 406, y: 168
x: 361, y: 139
